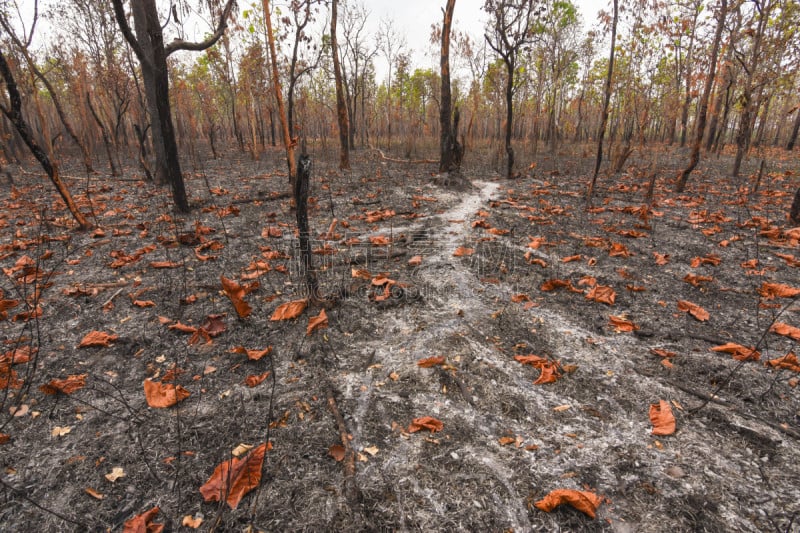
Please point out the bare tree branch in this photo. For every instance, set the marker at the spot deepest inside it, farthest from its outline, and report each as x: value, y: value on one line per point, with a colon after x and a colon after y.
x: 180, y: 44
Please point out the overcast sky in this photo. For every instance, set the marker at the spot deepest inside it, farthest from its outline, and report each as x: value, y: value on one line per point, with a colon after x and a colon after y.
x: 414, y: 18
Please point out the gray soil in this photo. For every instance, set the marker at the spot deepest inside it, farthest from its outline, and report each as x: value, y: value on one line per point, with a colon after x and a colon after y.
x: 732, y: 464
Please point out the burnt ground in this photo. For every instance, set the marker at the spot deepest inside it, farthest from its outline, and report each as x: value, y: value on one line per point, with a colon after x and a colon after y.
x: 732, y: 464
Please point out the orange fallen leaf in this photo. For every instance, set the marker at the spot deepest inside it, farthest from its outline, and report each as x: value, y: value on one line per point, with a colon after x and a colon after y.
x: 272, y: 232
x: 662, y: 418
x: 602, y: 294
x: 505, y: 441
x: 695, y: 280
x: 425, y: 422
x: 253, y: 355
x: 787, y: 362
x: 693, y: 309
x: 93, y: 493
x: 65, y: 386
x: 662, y: 352
x: 164, y: 264
x: 553, y: 284
x: 622, y: 324
x: 739, y: 352
x: 236, y: 293
x: 584, y: 501
x: 533, y: 360
x: 337, y: 451
x: 549, y: 373
x: 17, y: 356
x: 289, y: 310
x: 536, y: 242
x: 379, y: 240
x: 661, y: 259
x: 234, y: 478
x: 143, y: 523
x: 571, y: 258
x: 255, y: 380
x: 143, y: 303
x: 415, y: 261
x: 160, y: 395
x: 183, y: 328
x: 462, y: 251
x: 192, y: 522
x: 777, y: 290
x: 786, y: 330
x: 97, y: 338
x: 619, y: 250
x: 431, y: 361
x: 360, y: 273
x: 791, y: 260
x: 709, y: 259
x: 4, y: 438
x: 317, y: 322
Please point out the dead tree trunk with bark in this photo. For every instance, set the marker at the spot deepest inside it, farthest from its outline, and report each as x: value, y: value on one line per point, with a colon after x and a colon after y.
x: 14, y: 115
x: 149, y: 47
x: 106, y: 138
x: 300, y: 195
x: 703, y: 110
x: 606, y: 100
x: 750, y: 67
x: 795, y: 130
x: 794, y: 213
x: 288, y: 143
x: 341, y: 106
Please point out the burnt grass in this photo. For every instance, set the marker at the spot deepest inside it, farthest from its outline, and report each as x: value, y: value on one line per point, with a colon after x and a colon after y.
x: 732, y: 464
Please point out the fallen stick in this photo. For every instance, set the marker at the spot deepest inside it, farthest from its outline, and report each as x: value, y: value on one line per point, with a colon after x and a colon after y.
x: 351, y: 490
x: 111, y: 299
x: 411, y: 161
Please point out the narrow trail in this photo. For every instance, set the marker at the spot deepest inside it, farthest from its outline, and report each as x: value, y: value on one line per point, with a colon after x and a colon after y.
x: 580, y: 431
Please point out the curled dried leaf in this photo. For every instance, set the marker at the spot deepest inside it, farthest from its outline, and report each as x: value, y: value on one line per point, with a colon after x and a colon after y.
x: 317, y: 322
x: 425, y: 422
x: 584, y: 501
x: 429, y: 362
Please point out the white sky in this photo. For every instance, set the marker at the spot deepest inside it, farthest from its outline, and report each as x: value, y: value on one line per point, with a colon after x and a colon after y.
x: 414, y: 18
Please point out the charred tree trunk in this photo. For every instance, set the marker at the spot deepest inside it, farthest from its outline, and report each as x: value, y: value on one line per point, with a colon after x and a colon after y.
x: 161, y: 172
x: 794, y: 214
x: 152, y: 54
x: 14, y: 115
x: 746, y: 120
x: 795, y: 131
x: 161, y: 80
x: 606, y: 100
x: 106, y: 139
x: 722, y: 92
x: 510, y: 67
x: 300, y: 194
x: 447, y: 137
x: 703, y: 111
x: 288, y: 143
x: 341, y: 106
